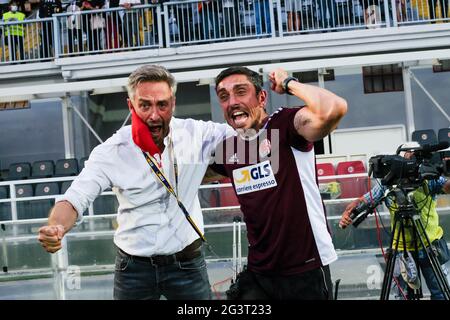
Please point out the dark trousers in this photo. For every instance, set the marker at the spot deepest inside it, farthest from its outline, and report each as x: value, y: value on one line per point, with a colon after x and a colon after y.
x: 311, y: 285
x: 47, y: 40
x: 432, y: 5
x: 16, y: 48
x: 135, y: 279
x: 75, y: 35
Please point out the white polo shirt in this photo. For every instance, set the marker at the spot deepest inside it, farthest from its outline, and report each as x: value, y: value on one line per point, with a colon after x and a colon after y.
x: 149, y: 219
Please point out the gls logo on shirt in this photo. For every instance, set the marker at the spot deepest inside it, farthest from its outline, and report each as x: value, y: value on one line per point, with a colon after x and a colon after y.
x: 254, y: 178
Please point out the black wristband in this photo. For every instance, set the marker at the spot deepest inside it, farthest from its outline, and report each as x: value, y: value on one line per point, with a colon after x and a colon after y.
x: 286, y: 83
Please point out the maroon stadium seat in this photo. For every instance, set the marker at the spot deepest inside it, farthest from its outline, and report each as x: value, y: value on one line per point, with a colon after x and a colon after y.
x: 226, y: 197
x: 352, y: 187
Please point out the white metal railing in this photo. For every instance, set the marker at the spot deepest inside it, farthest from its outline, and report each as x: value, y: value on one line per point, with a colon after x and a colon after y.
x: 108, y: 30
x: 191, y: 22
x: 13, y: 199
x: 26, y: 41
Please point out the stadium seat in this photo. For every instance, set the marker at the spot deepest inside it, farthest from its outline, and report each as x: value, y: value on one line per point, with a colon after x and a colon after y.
x: 226, y: 197
x: 5, y: 208
x: 24, y: 207
x: 24, y: 190
x: 427, y: 136
x: 82, y: 161
x: 444, y: 135
x: 41, y: 208
x: 64, y: 186
x: 4, y: 192
x: 19, y: 171
x: 325, y: 169
x: 66, y: 167
x: 106, y: 204
x: 43, y: 169
x: 46, y: 189
x: 351, y: 187
x: 328, y: 187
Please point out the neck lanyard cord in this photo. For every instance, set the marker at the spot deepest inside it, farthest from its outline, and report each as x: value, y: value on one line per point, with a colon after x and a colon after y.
x: 170, y: 189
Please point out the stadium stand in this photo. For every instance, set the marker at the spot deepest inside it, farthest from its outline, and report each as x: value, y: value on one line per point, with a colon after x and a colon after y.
x: 5, y: 208
x: 329, y: 188
x: 66, y: 167
x: 426, y: 136
x: 351, y: 187
x: 19, y: 171
x: 444, y: 135
x: 325, y: 169
x: 43, y: 169
x: 82, y: 161
x: 106, y: 204
x: 24, y: 207
x: 64, y: 186
x: 225, y: 197
x: 41, y: 208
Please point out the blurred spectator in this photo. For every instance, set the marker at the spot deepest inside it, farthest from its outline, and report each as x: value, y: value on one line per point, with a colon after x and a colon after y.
x: 130, y: 25
x: 24, y: 7
x: 14, y: 34
x: 443, y: 4
x: 231, y: 18
x: 262, y: 17
x: 97, y: 25
x: 86, y: 5
x: 327, y: 20
x: 46, y: 9
x: 113, y: 24
x: 400, y: 7
x: 293, y: 8
x: 372, y: 13
x: 75, y: 35
x: 210, y: 18
x: 4, y: 7
x: 187, y: 16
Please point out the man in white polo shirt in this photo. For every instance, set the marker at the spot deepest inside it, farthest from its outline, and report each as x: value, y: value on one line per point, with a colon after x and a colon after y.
x: 159, y: 251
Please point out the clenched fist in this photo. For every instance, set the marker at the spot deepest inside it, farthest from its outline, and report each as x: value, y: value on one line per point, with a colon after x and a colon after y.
x: 276, y: 78
x: 50, y: 237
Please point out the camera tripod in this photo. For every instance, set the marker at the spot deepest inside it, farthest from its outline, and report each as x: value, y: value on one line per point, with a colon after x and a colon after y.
x: 407, y: 217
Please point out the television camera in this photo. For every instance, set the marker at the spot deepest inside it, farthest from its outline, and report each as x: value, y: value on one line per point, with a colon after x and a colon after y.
x: 405, y: 173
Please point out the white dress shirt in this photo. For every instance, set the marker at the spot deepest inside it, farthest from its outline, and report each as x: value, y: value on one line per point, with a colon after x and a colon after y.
x: 149, y: 219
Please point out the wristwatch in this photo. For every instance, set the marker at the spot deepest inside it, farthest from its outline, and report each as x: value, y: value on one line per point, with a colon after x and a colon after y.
x: 286, y: 83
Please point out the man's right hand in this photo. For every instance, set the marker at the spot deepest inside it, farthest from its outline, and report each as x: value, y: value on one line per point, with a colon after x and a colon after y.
x: 50, y: 237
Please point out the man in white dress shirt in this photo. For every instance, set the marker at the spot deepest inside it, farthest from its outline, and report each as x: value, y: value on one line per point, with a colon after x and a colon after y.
x: 158, y: 250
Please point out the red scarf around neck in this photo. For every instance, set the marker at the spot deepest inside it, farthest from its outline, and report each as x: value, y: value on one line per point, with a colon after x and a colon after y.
x: 142, y: 136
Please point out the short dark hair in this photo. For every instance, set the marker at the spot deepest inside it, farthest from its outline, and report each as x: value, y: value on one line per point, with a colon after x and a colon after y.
x: 252, y: 76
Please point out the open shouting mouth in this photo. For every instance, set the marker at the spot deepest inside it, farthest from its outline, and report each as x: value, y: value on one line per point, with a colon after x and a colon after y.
x: 239, y: 118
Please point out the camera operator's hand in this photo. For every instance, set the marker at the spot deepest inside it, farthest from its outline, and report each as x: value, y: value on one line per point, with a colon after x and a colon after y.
x: 345, y: 219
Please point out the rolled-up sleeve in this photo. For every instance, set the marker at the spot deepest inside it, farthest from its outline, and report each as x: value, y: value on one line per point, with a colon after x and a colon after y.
x: 89, y: 184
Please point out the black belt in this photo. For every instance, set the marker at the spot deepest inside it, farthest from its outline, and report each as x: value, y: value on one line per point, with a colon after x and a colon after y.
x: 190, y: 252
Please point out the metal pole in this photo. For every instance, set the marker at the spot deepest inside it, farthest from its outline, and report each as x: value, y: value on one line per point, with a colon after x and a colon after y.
x: 12, y: 195
x: 87, y: 124
x: 60, y: 262
x: 409, y: 108
x: 126, y: 120
x: 321, y: 72
x: 67, y: 128
x: 272, y: 17
x: 280, y: 21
